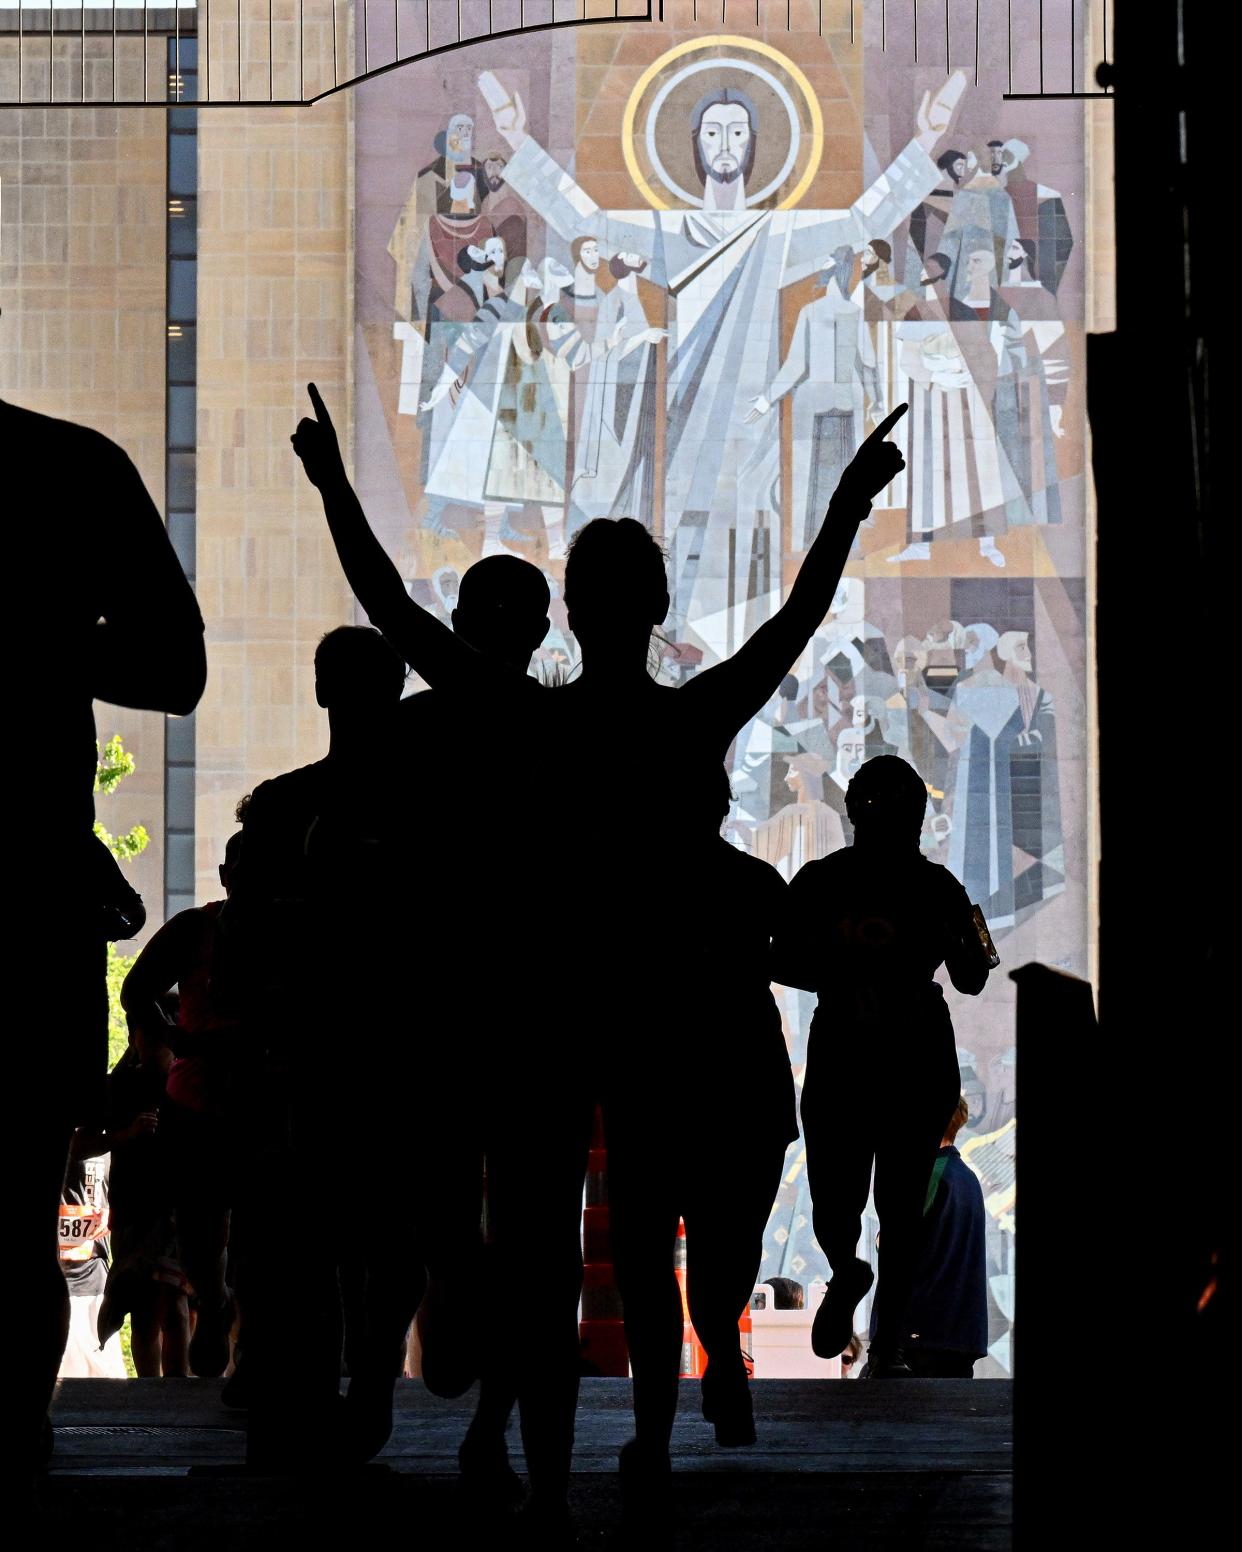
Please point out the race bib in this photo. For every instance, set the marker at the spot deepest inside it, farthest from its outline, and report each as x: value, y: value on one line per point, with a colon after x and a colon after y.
x: 78, y: 1229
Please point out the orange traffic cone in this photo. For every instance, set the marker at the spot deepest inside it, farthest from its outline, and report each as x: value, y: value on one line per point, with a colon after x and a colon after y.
x: 601, y: 1331
x: 693, y: 1357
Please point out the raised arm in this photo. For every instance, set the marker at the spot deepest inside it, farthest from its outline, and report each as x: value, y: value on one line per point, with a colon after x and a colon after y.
x: 734, y: 691
x: 169, y: 956
x: 568, y: 209
x: 894, y: 195
x: 443, y: 659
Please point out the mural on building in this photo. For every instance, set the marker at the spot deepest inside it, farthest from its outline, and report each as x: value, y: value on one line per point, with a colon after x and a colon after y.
x: 679, y: 275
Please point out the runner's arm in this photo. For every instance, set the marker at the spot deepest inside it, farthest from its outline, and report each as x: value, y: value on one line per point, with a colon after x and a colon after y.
x: 734, y: 691
x: 443, y: 659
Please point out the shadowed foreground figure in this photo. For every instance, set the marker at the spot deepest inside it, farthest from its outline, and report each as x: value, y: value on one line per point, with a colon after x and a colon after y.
x: 716, y: 1164
x: 196, y: 1123
x: 558, y: 1051
x: 502, y: 612
x: 867, y: 928
x: 90, y: 628
x: 311, y: 935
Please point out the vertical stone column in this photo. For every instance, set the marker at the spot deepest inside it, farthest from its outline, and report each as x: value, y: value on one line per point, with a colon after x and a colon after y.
x: 275, y: 311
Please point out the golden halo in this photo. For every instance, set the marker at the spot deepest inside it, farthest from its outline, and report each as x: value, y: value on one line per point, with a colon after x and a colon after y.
x: 730, y: 40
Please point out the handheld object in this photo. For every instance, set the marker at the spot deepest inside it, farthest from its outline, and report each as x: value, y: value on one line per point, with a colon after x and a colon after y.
x: 985, y: 937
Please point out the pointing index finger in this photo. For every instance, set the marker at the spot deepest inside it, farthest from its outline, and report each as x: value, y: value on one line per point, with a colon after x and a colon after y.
x: 317, y: 404
x: 887, y: 424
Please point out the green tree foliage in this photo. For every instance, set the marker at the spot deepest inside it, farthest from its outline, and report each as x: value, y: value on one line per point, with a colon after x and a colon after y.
x: 113, y: 763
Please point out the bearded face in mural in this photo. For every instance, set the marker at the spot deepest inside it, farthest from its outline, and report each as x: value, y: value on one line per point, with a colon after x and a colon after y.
x: 724, y: 139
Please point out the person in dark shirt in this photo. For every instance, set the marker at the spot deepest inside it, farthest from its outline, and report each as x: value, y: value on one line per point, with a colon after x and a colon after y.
x: 866, y: 929
x: 442, y: 1115
x: 145, y: 1278
x: 502, y: 612
x: 88, y: 628
x: 948, y: 1314
x: 718, y: 1028
x: 196, y: 1123
x: 307, y: 942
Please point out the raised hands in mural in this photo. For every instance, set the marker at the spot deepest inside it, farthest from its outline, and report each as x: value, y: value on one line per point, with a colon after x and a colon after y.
x: 315, y: 443
x: 936, y: 113
x: 508, y: 112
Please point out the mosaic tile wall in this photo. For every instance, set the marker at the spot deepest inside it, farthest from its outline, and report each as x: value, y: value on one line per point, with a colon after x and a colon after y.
x: 677, y: 272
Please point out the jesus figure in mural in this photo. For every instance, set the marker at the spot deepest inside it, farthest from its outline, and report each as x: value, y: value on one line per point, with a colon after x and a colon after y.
x: 724, y: 266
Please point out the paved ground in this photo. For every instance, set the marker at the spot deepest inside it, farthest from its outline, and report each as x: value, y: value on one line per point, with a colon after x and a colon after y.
x: 915, y: 1464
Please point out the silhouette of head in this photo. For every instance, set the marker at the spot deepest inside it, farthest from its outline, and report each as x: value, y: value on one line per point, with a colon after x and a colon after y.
x: 959, y: 1118
x: 953, y: 163
x: 357, y: 670
x: 886, y: 800
x: 786, y: 1293
x: 502, y: 608
x: 232, y: 855
x: 616, y: 592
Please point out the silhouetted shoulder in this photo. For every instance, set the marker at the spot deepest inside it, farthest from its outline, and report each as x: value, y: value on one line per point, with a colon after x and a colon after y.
x: 946, y: 886
x: 106, y: 486
x: 756, y: 881
x: 36, y: 430
x: 100, y: 586
x: 824, y: 873
x: 291, y: 789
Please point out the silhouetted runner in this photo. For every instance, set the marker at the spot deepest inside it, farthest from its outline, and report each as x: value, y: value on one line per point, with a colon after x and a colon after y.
x: 561, y: 743
x: 867, y: 928
x: 102, y: 611
x: 311, y: 933
x: 197, y: 1121
x: 706, y: 1142
x: 502, y: 611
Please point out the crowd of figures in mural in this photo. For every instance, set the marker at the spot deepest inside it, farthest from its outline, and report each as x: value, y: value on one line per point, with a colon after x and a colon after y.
x: 708, y: 359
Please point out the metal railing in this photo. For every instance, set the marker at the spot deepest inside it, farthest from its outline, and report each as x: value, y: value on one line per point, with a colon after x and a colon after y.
x: 290, y: 53
x: 269, y: 53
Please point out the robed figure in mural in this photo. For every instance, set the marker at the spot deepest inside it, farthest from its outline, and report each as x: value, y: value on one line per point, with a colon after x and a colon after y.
x: 507, y: 373
x: 614, y: 453
x: 724, y: 265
